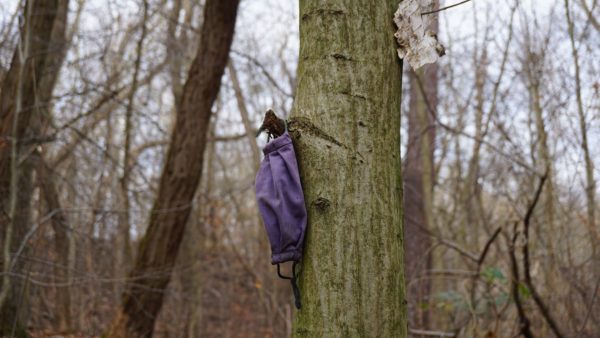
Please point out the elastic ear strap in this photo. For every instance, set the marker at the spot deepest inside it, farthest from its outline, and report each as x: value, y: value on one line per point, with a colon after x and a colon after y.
x: 292, y: 279
x: 280, y: 275
x: 285, y: 125
x: 295, y: 288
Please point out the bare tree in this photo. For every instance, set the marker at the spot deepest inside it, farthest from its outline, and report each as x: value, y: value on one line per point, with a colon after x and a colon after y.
x: 181, y: 176
x: 419, y: 176
x: 590, y: 189
x: 24, y: 98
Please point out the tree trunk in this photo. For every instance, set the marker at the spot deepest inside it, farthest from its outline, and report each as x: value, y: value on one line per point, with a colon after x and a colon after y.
x: 471, y: 192
x: 24, y: 98
x: 143, y: 297
x: 590, y: 189
x: 544, y: 162
x: 123, y: 250
x: 60, y: 225
x: 262, y: 246
x: 245, y: 115
x: 418, y: 178
x: 533, y: 68
x: 346, y: 128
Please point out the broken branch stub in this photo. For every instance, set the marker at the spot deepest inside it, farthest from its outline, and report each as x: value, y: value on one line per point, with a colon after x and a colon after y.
x: 272, y: 125
x: 417, y: 44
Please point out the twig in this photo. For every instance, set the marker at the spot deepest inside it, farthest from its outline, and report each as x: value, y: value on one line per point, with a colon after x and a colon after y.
x: 264, y: 70
x: 480, y: 261
x: 450, y: 272
x: 444, y: 8
x: 431, y: 333
x: 457, y: 248
x: 591, y: 308
x: 487, y: 246
x: 473, y: 137
x: 30, y: 233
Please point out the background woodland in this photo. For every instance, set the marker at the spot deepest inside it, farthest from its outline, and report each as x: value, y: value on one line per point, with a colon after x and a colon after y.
x: 500, y: 161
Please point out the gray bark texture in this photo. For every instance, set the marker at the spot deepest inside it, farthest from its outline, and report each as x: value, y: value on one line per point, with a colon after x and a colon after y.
x: 346, y: 129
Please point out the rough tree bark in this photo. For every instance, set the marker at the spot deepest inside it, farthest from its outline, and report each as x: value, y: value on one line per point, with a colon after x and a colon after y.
x: 346, y: 129
x: 143, y: 296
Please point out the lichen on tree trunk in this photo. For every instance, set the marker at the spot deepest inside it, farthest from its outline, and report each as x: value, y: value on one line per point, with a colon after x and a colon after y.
x: 346, y: 129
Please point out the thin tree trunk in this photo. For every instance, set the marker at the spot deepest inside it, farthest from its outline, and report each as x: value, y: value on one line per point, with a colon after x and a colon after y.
x: 346, y: 128
x: 590, y: 15
x: 195, y: 243
x: 262, y: 247
x: 418, y: 175
x: 143, y: 297
x: 60, y: 225
x: 533, y: 65
x: 472, y: 188
x: 124, y: 254
x: 545, y: 162
x: 245, y: 115
x: 25, y: 94
x: 548, y: 224
x: 418, y: 189
x: 590, y: 189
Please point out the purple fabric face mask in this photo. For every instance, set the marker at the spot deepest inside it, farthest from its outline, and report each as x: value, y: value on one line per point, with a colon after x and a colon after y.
x: 281, y: 204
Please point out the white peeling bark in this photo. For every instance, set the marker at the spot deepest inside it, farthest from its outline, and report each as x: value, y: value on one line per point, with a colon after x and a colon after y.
x: 417, y: 43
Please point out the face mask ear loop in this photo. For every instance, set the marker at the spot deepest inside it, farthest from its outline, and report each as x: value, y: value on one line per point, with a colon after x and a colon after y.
x: 280, y: 275
x: 293, y: 280
x: 285, y: 126
x: 295, y: 288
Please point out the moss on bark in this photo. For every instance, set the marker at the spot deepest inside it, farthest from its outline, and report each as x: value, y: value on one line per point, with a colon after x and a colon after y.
x: 346, y: 128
